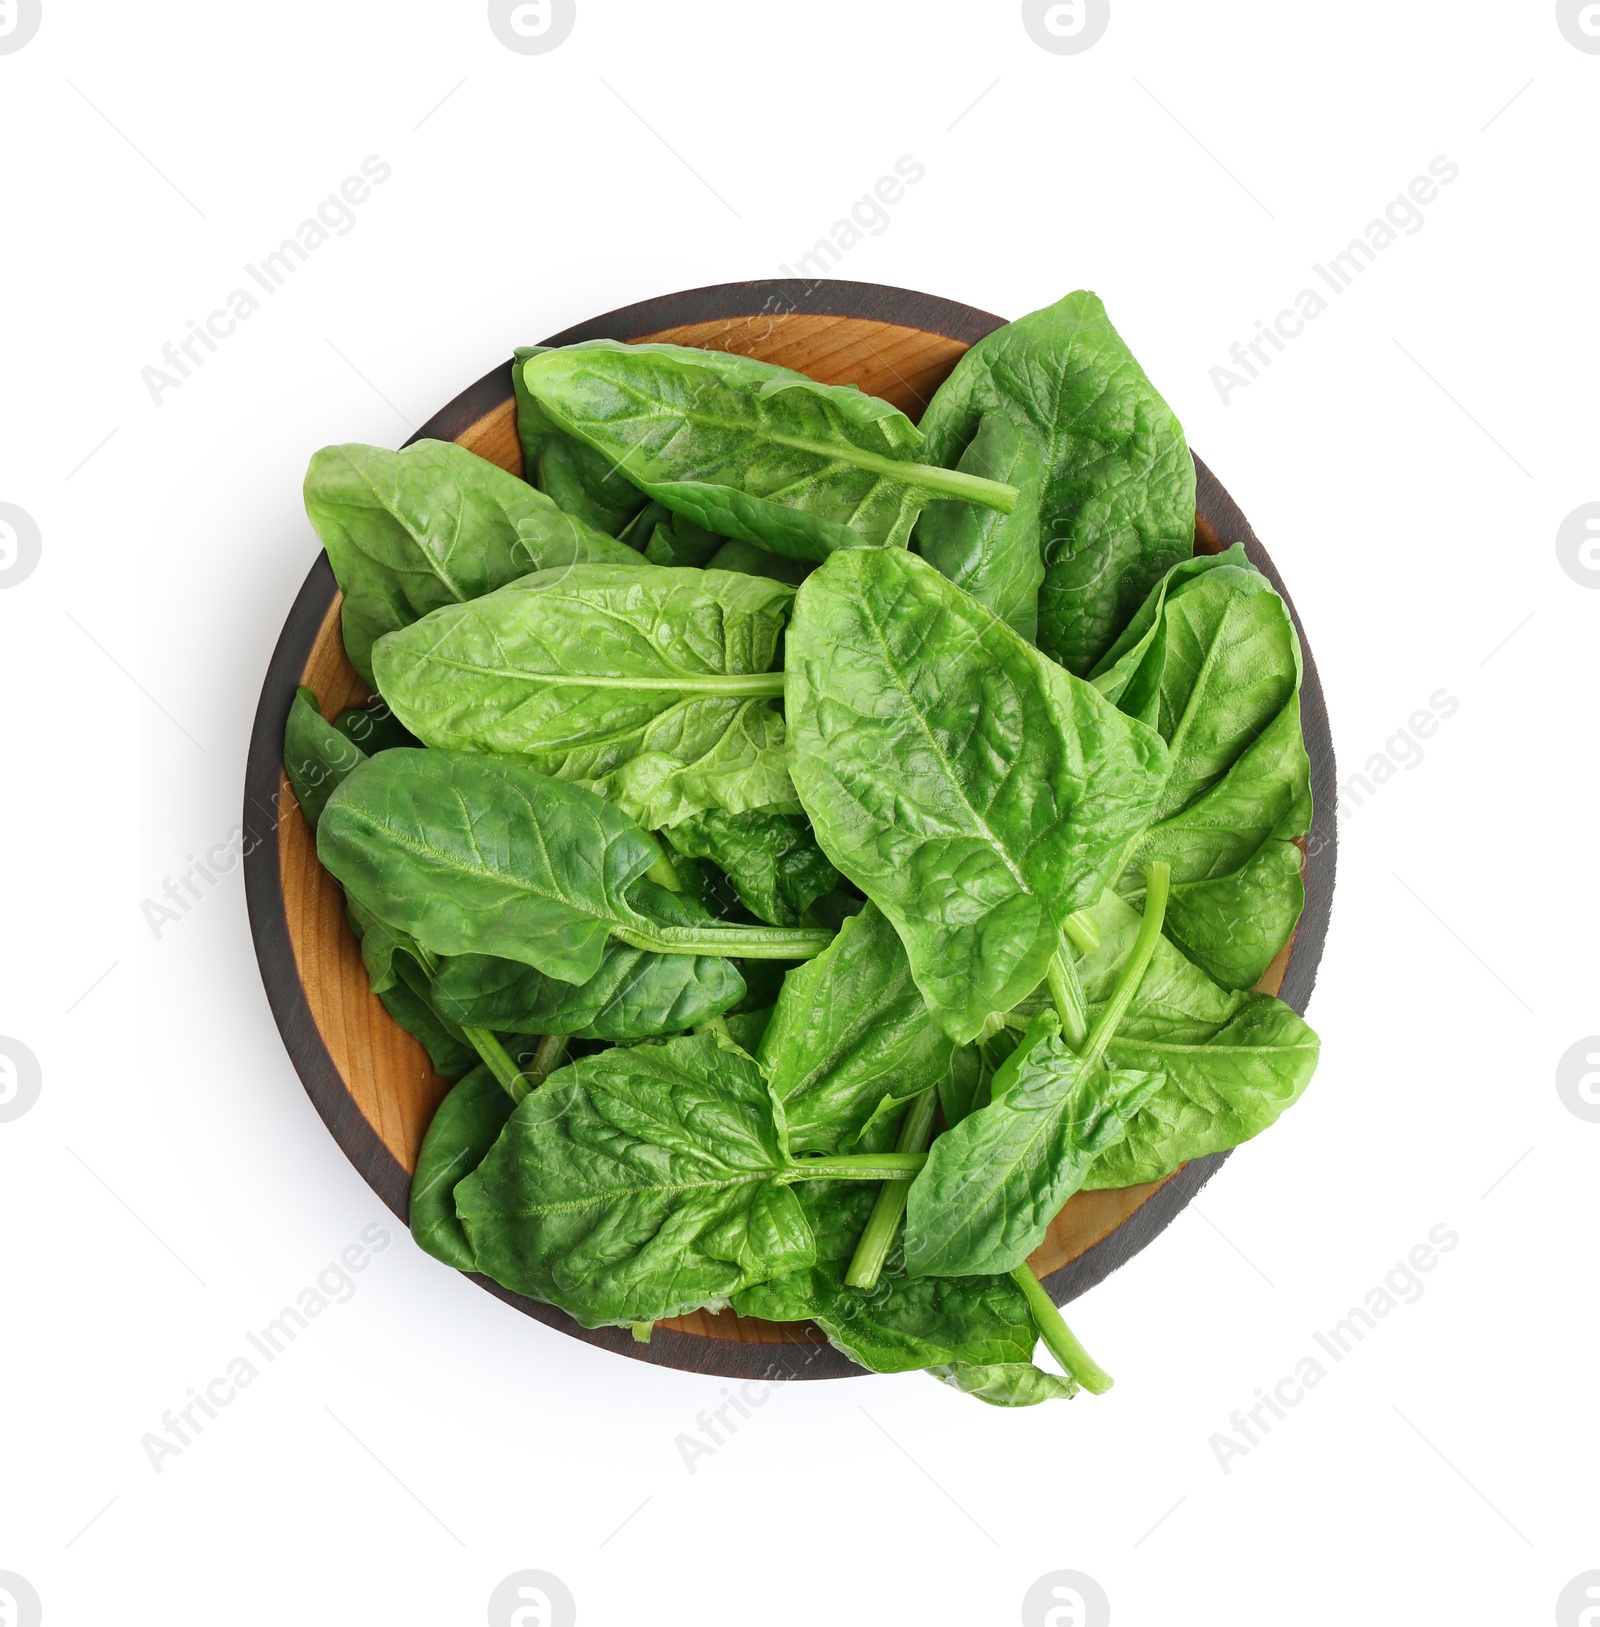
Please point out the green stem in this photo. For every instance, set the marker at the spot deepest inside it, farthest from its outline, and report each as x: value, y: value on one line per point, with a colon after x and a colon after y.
x: 863, y: 1166
x: 1080, y: 928
x: 548, y: 1055
x: 879, y: 1233
x: 642, y: 1332
x: 1059, y: 1339
x: 715, y: 1025
x: 499, y: 1063
x: 1157, y: 882
x: 1067, y: 993
x: 721, y: 938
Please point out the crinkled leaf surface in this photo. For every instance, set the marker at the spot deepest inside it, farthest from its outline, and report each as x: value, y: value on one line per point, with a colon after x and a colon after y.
x: 407, y: 532
x: 1213, y: 664
x: 994, y: 556
x: 1007, y: 1384
x: 741, y: 447
x: 650, y: 685
x: 993, y: 1183
x: 902, y: 1323
x: 975, y: 791
x: 1233, y: 1061
x: 639, y: 1184
x: 851, y: 1034
x: 772, y: 859
x: 1117, y: 504
x: 636, y: 993
x: 577, y: 479
x: 474, y: 855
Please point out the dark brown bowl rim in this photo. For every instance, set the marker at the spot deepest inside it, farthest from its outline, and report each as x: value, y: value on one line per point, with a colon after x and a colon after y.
x: 269, y: 925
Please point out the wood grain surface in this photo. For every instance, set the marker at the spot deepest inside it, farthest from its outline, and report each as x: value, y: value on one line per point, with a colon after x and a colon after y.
x: 373, y: 1082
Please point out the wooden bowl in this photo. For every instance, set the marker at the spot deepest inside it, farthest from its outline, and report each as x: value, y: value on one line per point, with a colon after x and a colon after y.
x: 372, y: 1083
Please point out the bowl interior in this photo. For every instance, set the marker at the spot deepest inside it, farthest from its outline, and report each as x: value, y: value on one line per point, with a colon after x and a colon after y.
x: 385, y: 1071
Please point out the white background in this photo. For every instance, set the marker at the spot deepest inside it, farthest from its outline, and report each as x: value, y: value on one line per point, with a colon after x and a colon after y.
x: 174, y: 1187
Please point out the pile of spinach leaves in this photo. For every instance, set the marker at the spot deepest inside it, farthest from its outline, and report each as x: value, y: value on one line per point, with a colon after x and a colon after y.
x: 814, y: 846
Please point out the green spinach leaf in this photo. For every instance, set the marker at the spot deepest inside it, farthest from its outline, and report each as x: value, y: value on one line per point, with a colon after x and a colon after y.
x: 772, y: 859
x: 316, y: 755
x: 479, y: 855
x: 407, y: 532
x: 994, y: 1182
x: 577, y: 479
x: 1232, y: 1061
x: 650, y: 686
x: 634, y: 995
x: 1213, y: 664
x: 639, y: 1184
x: 851, y: 1038
x: 1007, y: 1384
x: 977, y: 793
x: 467, y: 1124
x: 994, y: 556
x: 1117, y: 504
x: 749, y: 450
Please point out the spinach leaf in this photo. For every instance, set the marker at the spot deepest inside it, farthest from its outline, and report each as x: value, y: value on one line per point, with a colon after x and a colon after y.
x: 1213, y: 664
x: 1117, y: 505
x: 396, y: 976
x: 900, y: 1324
x: 316, y: 755
x: 676, y: 540
x: 994, y: 1182
x: 734, y: 555
x: 634, y: 995
x: 851, y: 1037
x: 749, y: 450
x: 977, y: 793
x: 1232, y: 1061
x: 579, y: 480
x: 642, y: 1183
x: 467, y: 1124
x: 479, y: 855
x: 433, y: 525
x: 374, y: 727
x: 1007, y: 1384
x: 772, y: 859
x: 994, y: 556
x: 650, y: 686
